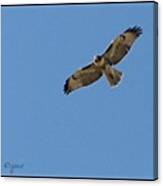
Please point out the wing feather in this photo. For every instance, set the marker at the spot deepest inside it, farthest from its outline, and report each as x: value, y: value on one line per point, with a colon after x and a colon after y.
x: 121, y: 45
x: 82, y: 77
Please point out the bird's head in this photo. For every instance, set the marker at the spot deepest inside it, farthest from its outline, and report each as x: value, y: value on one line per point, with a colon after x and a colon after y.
x: 97, y: 58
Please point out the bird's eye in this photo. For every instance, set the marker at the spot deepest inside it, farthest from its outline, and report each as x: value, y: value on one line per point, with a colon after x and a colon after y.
x: 98, y: 57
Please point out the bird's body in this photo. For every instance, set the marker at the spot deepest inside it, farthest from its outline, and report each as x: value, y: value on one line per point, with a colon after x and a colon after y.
x: 103, y: 64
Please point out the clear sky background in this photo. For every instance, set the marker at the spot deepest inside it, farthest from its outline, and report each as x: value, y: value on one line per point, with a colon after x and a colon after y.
x: 95, y: 131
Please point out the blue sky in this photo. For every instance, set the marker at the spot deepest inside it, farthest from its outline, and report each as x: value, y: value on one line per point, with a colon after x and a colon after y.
x: 95, y: 131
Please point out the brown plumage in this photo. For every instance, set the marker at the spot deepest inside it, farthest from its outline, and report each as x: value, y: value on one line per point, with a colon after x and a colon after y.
x: 103, y: 64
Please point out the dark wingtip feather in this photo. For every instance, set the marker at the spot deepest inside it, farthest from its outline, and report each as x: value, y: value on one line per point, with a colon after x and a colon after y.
x: 66, y: 89
x: 136, y: 29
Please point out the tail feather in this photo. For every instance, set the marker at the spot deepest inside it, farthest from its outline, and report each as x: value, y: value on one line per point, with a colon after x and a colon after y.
x: 113, y: 76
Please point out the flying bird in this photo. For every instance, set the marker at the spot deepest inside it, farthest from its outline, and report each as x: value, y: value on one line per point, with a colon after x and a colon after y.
x: 103, y: 64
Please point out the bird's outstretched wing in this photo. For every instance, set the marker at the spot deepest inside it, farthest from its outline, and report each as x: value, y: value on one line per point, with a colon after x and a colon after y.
x: 83, y: 77
x: 121, y: 45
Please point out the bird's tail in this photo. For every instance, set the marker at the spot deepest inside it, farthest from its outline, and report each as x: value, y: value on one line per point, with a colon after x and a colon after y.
x: 113, y: 76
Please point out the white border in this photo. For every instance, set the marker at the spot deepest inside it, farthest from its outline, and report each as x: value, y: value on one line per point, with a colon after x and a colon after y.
x: 71, y: 182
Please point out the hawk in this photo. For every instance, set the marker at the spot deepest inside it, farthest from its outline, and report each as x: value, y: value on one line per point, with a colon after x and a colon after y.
x: 103, y: 64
